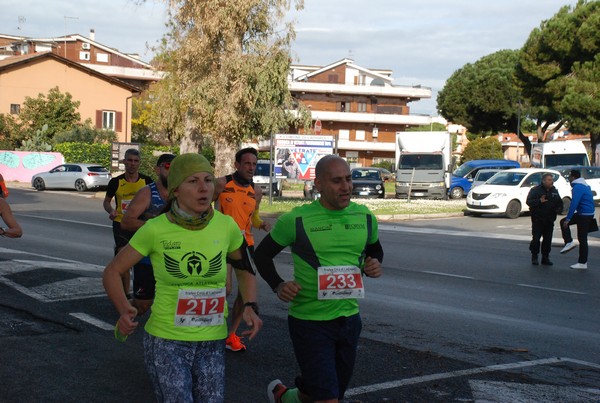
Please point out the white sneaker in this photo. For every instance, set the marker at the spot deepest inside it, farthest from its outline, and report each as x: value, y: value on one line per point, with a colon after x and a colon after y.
x: 570, y: 246
x: 579, y: 266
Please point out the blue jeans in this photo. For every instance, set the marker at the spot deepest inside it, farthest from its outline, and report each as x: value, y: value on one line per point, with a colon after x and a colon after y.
x: 326, y: 352
x: 186, y: 371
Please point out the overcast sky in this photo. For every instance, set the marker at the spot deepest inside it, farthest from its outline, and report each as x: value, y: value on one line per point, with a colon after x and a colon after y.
x: 421, y: 41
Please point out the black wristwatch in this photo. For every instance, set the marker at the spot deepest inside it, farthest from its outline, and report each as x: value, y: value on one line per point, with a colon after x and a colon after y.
x: 252, y: 305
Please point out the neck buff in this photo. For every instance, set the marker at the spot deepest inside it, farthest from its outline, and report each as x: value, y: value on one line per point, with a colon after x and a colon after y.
x: 240, y: 179
x: 177, y: 216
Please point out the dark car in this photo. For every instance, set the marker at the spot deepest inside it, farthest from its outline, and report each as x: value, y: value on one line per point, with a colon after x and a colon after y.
x: 368, y: 182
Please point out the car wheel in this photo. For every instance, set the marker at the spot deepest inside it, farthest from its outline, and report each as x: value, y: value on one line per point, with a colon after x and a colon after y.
x: 566, y: 204
x: 38, y: 184
x: 513, y: 209
x: 80, y: 185
x: 457, y: 193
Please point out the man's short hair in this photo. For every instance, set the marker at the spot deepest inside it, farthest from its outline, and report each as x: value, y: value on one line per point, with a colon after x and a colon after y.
x: 165, y: 158
x: 544, y: 176
x: 247, y: 150
x: 132, y: 151
x: 575, y: 173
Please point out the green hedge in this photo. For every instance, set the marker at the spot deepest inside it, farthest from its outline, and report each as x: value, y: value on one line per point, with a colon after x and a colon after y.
x: 101, y: 154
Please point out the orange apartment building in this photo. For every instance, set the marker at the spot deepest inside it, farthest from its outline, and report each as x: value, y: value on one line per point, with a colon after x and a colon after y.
x: 103, y: 79
x: 361, y: 108
x: 105, y: 100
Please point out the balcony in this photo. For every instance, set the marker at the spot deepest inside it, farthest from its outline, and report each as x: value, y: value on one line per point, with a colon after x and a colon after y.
x: 416, y: 92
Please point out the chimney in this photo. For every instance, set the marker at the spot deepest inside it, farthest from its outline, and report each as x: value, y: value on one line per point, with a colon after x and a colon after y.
x: 92, y: 34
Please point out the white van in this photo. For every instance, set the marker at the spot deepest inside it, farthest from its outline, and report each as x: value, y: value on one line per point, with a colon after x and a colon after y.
x: 556, y: 153
x: 261, y: 178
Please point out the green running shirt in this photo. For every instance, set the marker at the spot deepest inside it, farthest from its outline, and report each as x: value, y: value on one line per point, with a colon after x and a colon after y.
x: 186, y: 259
x: 338, y: 238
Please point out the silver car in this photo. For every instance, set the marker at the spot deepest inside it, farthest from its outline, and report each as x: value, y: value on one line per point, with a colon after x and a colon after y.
x: 80, y: 177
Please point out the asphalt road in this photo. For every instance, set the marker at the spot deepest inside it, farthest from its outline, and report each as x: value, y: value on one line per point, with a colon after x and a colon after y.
x: 460, y: 315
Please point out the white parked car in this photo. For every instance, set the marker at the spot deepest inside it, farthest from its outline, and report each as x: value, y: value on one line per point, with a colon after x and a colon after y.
x: 80, y: 177
x: 506, y: 192
x: 590, y: 174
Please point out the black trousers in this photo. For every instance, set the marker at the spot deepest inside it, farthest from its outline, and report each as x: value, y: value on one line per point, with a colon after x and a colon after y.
x: 541, y: 229
x: 583, y: 225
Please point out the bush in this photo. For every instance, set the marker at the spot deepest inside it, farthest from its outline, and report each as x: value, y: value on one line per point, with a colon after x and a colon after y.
x: 101, y: 154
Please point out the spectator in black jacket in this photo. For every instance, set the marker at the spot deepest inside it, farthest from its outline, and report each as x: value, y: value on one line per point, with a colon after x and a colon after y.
x: 544, y: 203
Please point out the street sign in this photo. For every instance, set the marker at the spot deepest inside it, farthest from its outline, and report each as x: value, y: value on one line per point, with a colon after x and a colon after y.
x: 318, y: 126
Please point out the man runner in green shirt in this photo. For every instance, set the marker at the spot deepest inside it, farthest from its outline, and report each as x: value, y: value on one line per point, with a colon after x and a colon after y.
x: 334, y: 242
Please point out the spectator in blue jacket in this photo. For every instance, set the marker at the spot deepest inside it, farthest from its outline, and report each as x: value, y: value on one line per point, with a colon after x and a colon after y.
x: 581, y: 213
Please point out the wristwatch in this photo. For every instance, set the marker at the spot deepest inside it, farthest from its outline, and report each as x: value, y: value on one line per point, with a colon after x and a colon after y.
x: 252, y: 305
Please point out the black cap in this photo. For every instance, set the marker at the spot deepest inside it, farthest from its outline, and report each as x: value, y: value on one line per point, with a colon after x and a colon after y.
x: 165, y: 158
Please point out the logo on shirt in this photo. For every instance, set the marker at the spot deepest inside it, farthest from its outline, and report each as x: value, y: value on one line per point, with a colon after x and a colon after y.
x: 171, y: 245
x: 193, y: 264
x: 320, y: 228
x: 354, y: 226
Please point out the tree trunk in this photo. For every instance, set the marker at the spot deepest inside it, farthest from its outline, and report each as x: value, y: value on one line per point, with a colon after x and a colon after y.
x: 191, y: 142
x: 224, y: 156
x: 593, y: 145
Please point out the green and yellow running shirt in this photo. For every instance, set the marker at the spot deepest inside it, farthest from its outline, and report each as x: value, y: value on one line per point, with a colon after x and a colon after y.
x: 124, y: 191
x: 190, y: 271
x: 322, y: 237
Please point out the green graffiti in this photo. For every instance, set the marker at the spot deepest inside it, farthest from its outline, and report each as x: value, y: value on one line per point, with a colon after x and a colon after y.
x: 9, y: 159
x: 35, y: 160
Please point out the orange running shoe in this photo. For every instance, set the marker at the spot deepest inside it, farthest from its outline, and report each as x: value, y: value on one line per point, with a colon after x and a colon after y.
x: 234, y: 343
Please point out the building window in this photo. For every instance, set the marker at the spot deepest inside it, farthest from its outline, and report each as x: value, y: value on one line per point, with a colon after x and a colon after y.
x: 15, y: 109
x: 344, y: 134
x: 332, y: 78
x: 108, y: 120
x: 360, y: 135
x: 84, y: 55
x: 102, y: 57
x: 362, y: 79
x: 343, y: 106
x: 362, y: 107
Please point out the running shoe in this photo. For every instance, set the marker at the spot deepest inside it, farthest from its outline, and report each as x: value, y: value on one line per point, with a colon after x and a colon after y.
x: 275, y: 390
x: 568, y: 247
x: 234, y: 343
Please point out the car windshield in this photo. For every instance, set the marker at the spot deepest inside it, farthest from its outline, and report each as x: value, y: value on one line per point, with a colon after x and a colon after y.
x: 421, y: 161
x: 590, y: 173
x: 262, y: 170
x: 483, y: 176
x: 371, y: 174
x: 97, y: 169
x: 507, y: 178
x: 554, y: 160
x: 462, y: 170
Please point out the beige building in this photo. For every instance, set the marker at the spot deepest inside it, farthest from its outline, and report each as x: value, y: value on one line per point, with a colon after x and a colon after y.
x: 105, y: 100
x: 361, y: 108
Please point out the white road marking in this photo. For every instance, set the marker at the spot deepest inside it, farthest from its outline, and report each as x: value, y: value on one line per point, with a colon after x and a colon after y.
x: 453, y: 374
x: 64, y: 220
x: 81, y: 287
x: 489, y: 391
x: 23, y: 290
x: 92, y: 321
x: 472, y: 234
x: 449, y: 275
x: 6, y: 250
x: 552, y: 289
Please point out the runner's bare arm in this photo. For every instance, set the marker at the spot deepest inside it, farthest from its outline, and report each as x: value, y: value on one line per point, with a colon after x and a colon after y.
x: 135, y: 209
x: 14, y: 229
x: 111, y: 279
x: 247, y: 287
